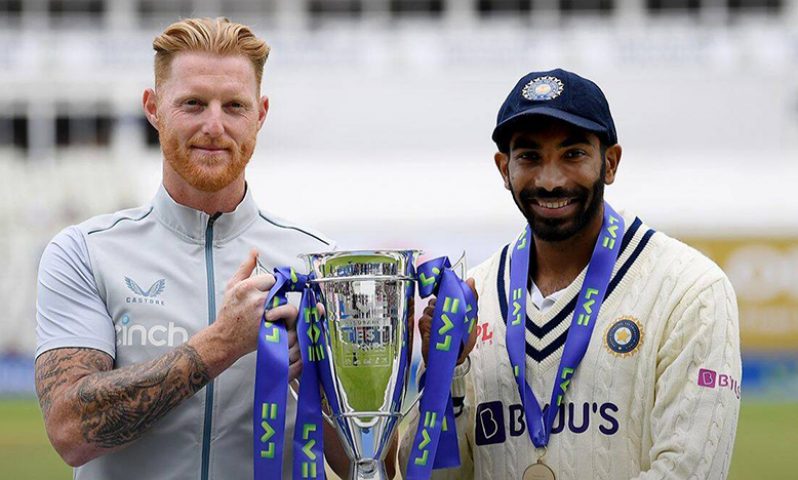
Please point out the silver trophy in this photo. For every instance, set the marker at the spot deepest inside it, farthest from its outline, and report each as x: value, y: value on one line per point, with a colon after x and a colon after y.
x: 366, y: 347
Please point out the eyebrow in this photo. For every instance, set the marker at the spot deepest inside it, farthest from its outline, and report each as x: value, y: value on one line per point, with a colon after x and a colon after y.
x: 577, y: 139
x: 524, y: 142
x: 200, y: 96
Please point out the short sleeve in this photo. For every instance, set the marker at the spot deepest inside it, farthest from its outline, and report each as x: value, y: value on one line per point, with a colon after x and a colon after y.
x: 69, y: 310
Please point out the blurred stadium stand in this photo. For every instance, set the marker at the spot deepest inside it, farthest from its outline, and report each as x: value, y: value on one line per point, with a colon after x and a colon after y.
x: 371, y: 97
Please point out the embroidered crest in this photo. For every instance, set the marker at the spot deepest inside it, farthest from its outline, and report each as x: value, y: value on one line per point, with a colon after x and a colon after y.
x: 543, y: 88
x: 624, y: 336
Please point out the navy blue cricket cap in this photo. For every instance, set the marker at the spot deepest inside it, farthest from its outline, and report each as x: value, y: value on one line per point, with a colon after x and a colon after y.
x: 556, y: 94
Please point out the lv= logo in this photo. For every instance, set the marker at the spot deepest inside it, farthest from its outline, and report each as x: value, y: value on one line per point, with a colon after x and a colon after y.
x: 268, y: 413
x: 430, y: 422
x: 308, y: 467
x: 450, y: 305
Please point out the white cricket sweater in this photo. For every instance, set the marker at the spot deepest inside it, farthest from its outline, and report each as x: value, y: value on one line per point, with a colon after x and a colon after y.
x: 655, y: 397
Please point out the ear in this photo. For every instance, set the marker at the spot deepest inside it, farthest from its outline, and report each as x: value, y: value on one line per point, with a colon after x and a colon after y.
x: 502, y: 163
x: 613, y: 157
x: 150, y: 103
x: 263, y: 109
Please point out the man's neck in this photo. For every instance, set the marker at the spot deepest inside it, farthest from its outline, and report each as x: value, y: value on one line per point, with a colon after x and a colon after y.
x: 557, y: 264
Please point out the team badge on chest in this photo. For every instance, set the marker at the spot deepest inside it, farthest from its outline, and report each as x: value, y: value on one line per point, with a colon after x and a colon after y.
x: 624, y: 336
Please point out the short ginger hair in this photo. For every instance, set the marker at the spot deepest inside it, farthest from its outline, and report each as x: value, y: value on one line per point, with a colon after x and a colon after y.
x: 218, y: 36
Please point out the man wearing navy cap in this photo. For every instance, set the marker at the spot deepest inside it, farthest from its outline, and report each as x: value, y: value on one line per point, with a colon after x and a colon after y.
x: 630, y: 336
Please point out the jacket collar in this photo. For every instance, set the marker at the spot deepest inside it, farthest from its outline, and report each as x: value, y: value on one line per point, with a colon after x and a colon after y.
x: 193, y: 224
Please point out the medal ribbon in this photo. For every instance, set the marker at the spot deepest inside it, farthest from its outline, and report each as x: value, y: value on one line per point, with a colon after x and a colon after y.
x: 435, y: 443
x: 271, y: 385
x: 589, y: 302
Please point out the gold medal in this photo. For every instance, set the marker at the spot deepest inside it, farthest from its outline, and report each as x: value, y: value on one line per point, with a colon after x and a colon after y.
x: 538, y: 471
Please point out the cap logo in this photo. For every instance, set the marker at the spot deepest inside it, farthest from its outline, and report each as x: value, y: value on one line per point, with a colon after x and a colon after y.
x: 543, y: 88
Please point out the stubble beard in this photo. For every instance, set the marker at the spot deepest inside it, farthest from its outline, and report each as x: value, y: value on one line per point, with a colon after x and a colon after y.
x: 206, y: 174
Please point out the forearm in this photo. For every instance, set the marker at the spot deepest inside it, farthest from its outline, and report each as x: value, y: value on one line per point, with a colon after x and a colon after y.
x: 101, y: 410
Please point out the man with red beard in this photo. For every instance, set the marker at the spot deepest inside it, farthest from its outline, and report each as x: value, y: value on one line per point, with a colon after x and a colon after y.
x: 605, y: 350
x: 147, y: 319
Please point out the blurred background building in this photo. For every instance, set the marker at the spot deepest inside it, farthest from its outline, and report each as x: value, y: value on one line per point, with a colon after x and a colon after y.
x: 380, y: 122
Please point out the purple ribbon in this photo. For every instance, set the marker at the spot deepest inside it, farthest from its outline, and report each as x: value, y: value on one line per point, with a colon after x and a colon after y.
x: 271, y: 386
x: 435, y: 443
x: 308, y: 434
x: 589, y: 302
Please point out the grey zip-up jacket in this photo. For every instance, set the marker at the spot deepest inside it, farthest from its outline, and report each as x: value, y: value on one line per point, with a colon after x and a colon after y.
x: 137, y: 283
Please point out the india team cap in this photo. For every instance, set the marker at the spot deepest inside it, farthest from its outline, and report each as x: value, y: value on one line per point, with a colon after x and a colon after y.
x: 557, y: 94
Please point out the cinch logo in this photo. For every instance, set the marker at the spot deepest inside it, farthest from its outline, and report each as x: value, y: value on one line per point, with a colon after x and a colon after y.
x: 145, y: 297
x: 710, y: 379
x: 157, y: 335
x: 491, y: 427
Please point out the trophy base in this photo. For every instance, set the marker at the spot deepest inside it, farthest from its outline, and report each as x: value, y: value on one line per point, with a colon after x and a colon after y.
x: 368, y: 469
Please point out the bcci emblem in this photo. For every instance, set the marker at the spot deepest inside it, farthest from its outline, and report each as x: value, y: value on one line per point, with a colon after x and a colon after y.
x: 543, y: 88
x: 624, y: 337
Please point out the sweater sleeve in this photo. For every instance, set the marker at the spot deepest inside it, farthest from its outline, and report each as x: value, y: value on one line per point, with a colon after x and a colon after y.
x: 697, y: 395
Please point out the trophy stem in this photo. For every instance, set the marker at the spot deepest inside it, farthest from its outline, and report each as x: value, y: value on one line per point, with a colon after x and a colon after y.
x: 367, y: 469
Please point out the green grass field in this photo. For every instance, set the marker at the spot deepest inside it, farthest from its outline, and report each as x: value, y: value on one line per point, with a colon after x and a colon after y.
x: 766, y: 440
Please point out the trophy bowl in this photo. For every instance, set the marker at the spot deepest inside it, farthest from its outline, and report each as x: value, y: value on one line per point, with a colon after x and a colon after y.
x: 366, y: 351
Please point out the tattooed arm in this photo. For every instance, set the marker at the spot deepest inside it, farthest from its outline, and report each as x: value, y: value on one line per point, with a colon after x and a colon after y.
x: 91, y: 409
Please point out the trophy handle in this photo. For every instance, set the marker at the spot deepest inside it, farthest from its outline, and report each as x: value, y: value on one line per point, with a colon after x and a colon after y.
x: 461, y: 266
x: 413, y: 403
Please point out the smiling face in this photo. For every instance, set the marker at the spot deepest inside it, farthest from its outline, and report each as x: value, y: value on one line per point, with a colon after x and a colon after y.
x: 556, y: 173
x: 208, y: 113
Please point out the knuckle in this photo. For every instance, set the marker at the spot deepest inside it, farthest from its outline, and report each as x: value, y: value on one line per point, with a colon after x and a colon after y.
x: 238, y: 291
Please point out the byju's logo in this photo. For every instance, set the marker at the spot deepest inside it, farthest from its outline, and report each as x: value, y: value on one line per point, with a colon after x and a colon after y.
x: 491, y: 427
x: 711, y: 379
x: 490, y: 423
x: 149, y: 296
x: 130, y: 334
x: 707, y: 378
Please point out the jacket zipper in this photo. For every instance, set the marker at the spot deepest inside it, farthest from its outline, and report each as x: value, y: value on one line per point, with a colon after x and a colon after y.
x: 208, y: 424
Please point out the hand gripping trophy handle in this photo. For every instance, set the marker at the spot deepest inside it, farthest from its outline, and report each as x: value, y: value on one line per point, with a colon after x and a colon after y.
x: 461, y: 267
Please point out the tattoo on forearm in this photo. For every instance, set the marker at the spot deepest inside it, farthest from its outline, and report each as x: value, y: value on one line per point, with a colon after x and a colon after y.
x: 117, y: 406
x: 56, y: 368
